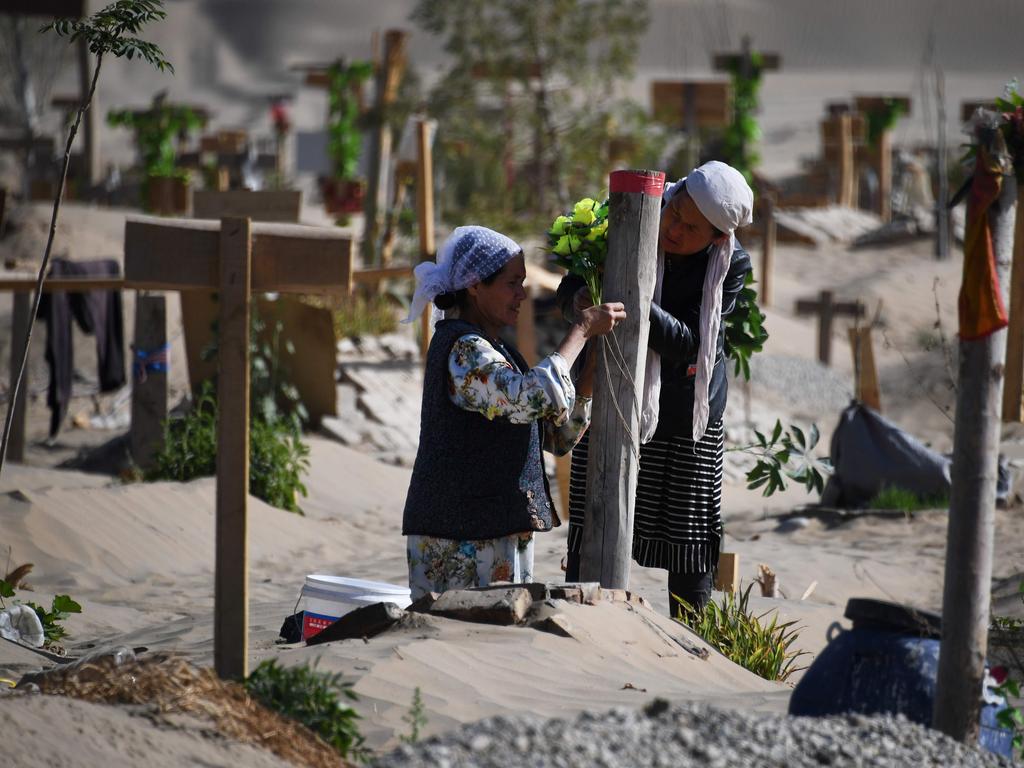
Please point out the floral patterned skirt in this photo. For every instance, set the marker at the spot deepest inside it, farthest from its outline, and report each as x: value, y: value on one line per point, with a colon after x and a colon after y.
x: 437, y: 565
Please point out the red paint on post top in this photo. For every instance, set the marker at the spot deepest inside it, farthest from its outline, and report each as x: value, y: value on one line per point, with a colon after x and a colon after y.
x: 637, y: 181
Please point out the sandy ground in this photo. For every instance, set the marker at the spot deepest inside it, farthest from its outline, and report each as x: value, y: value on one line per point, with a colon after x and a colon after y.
x: 140, y: 557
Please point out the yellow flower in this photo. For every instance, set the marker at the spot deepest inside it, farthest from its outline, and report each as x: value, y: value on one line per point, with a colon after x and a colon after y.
x: 583, y: 211
x: 560, y: 225
x: 566, y: 244
x: 598, y: 231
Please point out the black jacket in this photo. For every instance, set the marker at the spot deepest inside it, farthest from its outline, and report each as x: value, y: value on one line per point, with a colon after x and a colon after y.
x: 675, y: 335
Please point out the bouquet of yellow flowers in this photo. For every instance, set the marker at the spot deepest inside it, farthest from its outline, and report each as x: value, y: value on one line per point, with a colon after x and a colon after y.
x: 578, y: 241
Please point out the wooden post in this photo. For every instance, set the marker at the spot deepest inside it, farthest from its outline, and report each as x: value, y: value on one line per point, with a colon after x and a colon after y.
x: 727, y: 578
x: 231, y: 593
x: 968, y: 578
x: 388, y: 76
x: 425, y: 216
x: 1013, y: 394
x: 865, y: 373
x: 19, y: 332
x: 767, y: 292
x: 149, y: 387
x: 826, y: 308
x: 613, y: 461
x: 885, y: 176
x: 837, y: 145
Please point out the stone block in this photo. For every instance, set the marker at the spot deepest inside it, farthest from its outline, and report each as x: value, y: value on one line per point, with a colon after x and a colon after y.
x: 498, y: 606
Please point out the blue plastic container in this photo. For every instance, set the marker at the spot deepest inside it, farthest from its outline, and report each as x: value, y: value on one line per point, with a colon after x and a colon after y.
x: 873, y: 670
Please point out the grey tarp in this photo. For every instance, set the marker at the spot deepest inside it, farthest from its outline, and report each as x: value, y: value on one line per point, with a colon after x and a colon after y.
x: 870, y: 453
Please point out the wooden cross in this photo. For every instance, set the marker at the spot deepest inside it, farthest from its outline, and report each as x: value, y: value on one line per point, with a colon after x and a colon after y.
x: 236, y: 258
x: 826, y: 308
x: 743, y: 61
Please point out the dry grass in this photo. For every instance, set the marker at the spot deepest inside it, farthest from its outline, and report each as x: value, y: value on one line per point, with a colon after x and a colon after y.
x: 165, y: 684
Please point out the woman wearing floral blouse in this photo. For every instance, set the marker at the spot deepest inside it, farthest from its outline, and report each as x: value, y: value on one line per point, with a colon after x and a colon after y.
x: 478, y: 490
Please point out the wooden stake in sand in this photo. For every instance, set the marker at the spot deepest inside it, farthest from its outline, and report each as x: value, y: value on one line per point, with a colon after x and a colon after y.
x: 238, y: 258
x: 1013, y: 394
x: 619, y: 380
x: 968, y: 579
x: 425, y: 216
x: 149, y: 378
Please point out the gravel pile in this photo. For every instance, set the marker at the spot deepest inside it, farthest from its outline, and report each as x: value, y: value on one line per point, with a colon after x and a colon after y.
x: 693, y: 735
x: 807, y: 384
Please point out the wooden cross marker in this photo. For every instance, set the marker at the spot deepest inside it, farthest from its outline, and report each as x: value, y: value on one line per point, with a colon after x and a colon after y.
x: 826, y: 308
x: 237, y: 258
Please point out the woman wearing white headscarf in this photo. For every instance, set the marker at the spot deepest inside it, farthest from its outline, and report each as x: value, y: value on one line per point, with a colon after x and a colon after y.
x: 702, y: 269
x: 478, y: 490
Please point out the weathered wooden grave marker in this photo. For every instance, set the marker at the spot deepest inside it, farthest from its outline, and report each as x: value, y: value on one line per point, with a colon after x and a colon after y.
x: 879, y: 156
x: 768, y: 237
x: 1013, y: 393
x: 425, y: 216
x: 827, y: 308
x: 613, y: 461
x: 237, y: 258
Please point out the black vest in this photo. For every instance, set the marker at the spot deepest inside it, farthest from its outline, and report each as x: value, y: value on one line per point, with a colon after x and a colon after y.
x: 474, y: 478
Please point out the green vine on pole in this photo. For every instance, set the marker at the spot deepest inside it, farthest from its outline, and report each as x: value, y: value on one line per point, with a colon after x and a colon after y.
x: 741, y: 136
x: 110, y: 31
x: 878, y: 121
x: 344, y: 137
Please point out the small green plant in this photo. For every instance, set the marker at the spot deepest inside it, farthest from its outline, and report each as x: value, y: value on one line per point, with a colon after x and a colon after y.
x: 741, y: 135
x: 314, y: 699
x: 881, y: 120
x: 416, y: 718
x: 61, y: 608
x: 731, y: 628
x: 744, y: 329
x: 277, y: 456
x: 894, y: 497
x: 788, y: 453
x: 362, y: 315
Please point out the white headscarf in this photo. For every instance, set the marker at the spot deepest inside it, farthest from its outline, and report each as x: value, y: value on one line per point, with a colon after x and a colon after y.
x: 469, y: 255
x: 725, y: 199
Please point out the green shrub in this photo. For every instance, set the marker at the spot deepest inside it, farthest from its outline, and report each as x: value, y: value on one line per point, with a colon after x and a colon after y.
x: 277, y: 457
x: 313, y: 699
x: 894, y: 497
x: 731, y: 628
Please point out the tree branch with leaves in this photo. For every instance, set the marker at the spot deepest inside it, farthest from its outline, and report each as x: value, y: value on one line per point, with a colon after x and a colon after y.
x: 109, y: 32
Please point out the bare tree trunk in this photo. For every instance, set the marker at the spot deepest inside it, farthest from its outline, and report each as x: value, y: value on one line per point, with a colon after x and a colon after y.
x: 967, y: 592
x: 41, y: 277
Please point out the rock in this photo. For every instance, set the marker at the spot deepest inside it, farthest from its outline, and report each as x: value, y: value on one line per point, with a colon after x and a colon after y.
x: 368, y: 621
x: 501, y: 606
x: 424, y: 603
x: 614, y: 595
x: 570, y: 592
x: 538, y: 591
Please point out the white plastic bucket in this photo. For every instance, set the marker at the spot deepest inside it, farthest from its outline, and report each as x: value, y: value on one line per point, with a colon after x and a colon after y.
x: 328, y: 598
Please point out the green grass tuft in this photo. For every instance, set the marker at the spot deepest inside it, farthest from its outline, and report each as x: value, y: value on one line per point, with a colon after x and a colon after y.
x: 894, y: 497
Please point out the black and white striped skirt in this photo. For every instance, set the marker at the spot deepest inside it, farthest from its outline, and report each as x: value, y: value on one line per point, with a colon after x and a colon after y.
x: 677, y: 523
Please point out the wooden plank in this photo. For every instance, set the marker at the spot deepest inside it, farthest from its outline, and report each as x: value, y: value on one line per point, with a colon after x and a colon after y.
x: 766, y: 278
x: 867, y: 389
x: 613, y: 461
x: 425, y: 216
x: 19, y: 331
x: 181, y: 254
x: 231, y: 591
x: 1013, y: 392
x: 727, y: 577
x: 149, y: 388
x: 282, y: 205
x: 687, y: 104
x: 374, y: 276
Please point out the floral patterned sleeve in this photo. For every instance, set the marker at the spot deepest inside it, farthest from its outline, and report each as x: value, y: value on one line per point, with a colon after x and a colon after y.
x: 562, y: 438
x: 483, y: 380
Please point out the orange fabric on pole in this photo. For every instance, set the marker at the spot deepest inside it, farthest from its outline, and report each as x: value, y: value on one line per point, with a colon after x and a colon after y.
x: 981, y: 306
